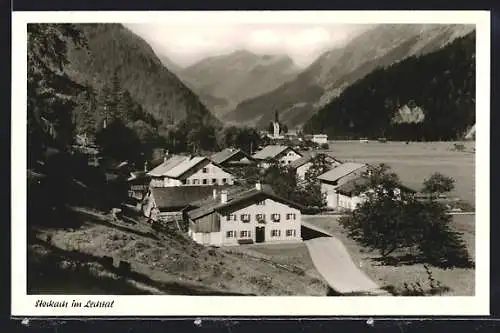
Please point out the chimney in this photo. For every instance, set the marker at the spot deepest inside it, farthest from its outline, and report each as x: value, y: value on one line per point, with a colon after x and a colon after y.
x: 146, y: 166
x: 258, y: 186
x: 223, y: 196
x: 214, y: 193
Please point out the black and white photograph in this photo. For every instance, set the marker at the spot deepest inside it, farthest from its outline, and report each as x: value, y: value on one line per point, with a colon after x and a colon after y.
x: 258, y: 156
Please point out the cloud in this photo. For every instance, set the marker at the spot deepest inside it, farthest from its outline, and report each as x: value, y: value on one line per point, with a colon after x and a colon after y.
x: 186, y: 44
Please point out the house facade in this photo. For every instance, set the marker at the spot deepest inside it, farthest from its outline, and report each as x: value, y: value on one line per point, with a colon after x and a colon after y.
x: 283, y: 155
x: 189, y: 171
x: 338, y: 176
x: 356, y: 191
x: 320, y: 138
x: 348, y: 201
x: 254, y: 216
x: 167, y: 204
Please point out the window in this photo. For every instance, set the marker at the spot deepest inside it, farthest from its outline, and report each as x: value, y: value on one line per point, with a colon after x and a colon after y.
x: 290, y: 233
x: 188, y: 181
x: 214, y: 181
x: 275, y: 233
x: 245, y: 218
x: 196, y: 181
x: 204, y: 170
x: 224, y: 180
x: 244, y: 234
x: 184, y: 181
x: 230, y: 234
x: 275, y: 217
x: 260, y: 217
x: 204, y: 182
x: 231, y: 217
x: 290, y: 216
x: 261, y: 203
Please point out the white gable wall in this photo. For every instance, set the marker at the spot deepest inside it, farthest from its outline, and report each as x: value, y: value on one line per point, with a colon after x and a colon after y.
x: 350, y: 203
x: 288, y: 157
x: 301, y: 170
x: 211, y: 175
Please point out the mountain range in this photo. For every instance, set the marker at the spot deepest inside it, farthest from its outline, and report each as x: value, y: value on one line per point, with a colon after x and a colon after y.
x: 223, y: 81
x: 428, y: 97
x: 297, y: 100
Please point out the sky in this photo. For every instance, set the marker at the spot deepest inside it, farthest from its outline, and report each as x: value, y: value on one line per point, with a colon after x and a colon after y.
x: 186, y: 44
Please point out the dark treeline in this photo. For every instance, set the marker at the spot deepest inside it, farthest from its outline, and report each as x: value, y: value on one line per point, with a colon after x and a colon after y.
x: 428, y: 98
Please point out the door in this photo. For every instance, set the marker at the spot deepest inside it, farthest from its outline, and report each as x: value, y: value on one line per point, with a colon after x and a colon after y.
x: 260, y: 234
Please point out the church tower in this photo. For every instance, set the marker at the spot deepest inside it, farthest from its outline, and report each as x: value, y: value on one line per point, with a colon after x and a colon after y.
x: 276, y: 125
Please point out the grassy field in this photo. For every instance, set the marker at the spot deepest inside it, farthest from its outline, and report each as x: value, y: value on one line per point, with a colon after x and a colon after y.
x: 171, y: 263
x: 460, y: 281
x: 416, y: 161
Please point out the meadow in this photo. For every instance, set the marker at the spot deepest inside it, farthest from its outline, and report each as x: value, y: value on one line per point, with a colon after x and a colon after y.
x: 457, y: 281
x: 416, y: 161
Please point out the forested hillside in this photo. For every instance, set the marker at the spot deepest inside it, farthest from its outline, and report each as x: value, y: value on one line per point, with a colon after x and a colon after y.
x: 104, y: 81
x: 429, y: 97
x: 114, y: 52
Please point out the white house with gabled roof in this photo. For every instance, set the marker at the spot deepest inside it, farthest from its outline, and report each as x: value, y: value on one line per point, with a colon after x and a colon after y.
x: 182, y: 170
x: 247, y: 216
x: 284, y: 155
x: 341, y: 174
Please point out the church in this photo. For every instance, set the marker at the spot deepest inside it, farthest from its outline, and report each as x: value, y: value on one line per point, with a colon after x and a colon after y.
x: 275, y: 135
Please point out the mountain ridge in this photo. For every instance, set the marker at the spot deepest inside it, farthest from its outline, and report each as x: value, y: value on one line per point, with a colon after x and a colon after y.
x: 227, y: 79
x: 114, y: 48
x: 334, y: 70
x: 429, y: 96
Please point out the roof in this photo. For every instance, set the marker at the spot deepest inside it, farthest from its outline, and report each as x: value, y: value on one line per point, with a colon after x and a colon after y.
x: 226, y: 154
x: 239, y: 197
x: 308, y: 157
x: 341, y: 171
x: 354, y: 186
x: 176, y: 166
x: 271, y: 151
x: 184, y: 167
x: 359, y: 184
x: 137, y: 176
x: 181, y: 196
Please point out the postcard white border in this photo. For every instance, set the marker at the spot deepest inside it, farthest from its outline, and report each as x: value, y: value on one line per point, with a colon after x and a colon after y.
x: 23, y: 304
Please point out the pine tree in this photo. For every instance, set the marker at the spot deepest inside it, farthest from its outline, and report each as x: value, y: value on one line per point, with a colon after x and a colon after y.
x: 51, y: 92
x: 117, y: 92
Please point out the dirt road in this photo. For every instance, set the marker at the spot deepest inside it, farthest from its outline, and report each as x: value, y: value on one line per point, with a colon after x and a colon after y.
x: 333, y: 262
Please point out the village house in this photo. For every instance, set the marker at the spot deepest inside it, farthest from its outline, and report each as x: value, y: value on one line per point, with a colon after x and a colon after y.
x: 180, y: 170
x: 248, y: 216
x: 168, y: 204
x: 284, y: 155
x: 138, y: 185
x: 303, y: 164
x: 355, y: 191
x: 232, y: 158
x: 320, y: 138
x: 332, y: 179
